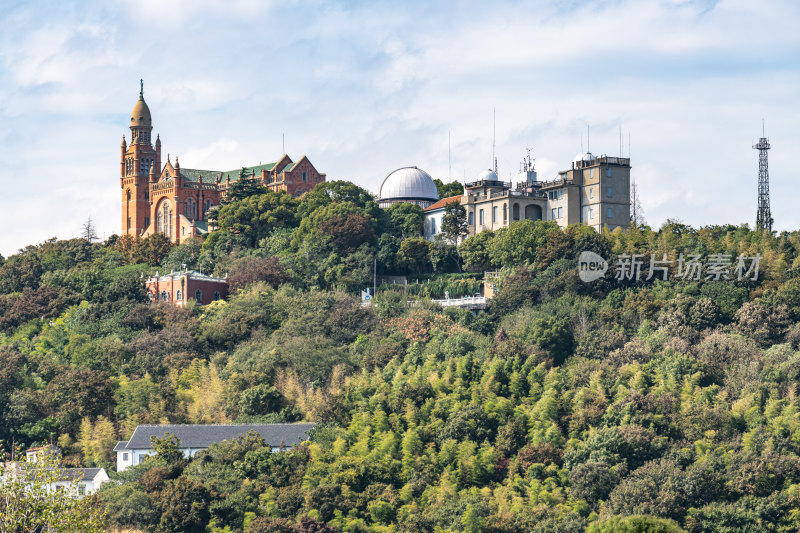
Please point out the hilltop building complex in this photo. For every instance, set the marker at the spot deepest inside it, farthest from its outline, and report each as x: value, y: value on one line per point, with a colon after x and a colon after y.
x: 175, y: 201
x: 595, y: 191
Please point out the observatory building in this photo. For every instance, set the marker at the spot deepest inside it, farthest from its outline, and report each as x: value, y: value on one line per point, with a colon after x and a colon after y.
x: 595, y: 191
x: 408, y: 185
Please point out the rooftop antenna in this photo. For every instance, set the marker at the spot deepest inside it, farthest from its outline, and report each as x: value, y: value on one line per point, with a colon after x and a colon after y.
x: 588, y: 143
x: 449, y: 159
x: 494, y: 138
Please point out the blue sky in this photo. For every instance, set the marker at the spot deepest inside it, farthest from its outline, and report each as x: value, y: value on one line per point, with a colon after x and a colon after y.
x: 365, y: 87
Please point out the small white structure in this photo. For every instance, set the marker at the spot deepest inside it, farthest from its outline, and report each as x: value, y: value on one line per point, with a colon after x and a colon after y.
x: 196, y: 437
x: 410, y: 185
x: 84, y: 480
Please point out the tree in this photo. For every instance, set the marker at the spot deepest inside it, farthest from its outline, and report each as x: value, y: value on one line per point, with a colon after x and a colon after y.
x: 407, y: 220
x: 247, y: 185
x: 250, y: 270
x: 415, y: 255
x: 446, y: 190
x: 184, y: 507
x: 475, y: 251
x: 454, y: 222
x: 254, y: 216
x: 30, y: 502
x: 634, y: 524
x: 637, y: 213
x: 88, y: 231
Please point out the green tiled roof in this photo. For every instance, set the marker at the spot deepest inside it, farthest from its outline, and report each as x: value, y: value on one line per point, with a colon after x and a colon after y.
x: 204, y: 176
x: 210, y: 176
x: 201, y: 226
x: 289, y: 167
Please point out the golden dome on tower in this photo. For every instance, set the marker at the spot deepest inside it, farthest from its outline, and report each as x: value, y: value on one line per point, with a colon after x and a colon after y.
x: 140, y: 116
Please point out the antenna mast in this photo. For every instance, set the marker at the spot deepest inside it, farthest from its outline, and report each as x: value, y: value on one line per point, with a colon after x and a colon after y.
x: 494, y: 138
x: 763, y: 216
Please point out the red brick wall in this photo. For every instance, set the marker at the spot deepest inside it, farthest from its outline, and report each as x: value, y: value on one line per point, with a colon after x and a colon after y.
x: 188, y: 287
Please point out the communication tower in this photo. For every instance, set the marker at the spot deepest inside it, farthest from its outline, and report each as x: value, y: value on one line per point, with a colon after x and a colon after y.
x: 764, y: 216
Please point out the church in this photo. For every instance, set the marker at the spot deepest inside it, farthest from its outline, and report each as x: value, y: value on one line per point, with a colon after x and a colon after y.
x: 176, y: 201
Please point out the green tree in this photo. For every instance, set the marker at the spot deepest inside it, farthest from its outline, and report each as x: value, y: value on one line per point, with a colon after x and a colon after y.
x: 454, y: 188
x: 634, y: 524
x: 245, y: 186
x: 253, y: 217
x: 454, y: 222
x: 415, y: 255
x: 407, y: 220
x: 184, y: 507
x: 475, y: 252
x: 29, y: 501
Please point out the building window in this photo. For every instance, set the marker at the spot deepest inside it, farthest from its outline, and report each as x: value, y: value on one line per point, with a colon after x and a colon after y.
x: 147, y: 194
x: 190, y: 209
x: 480, y: 216
x: 560, y: 193
x: 129, y: 222
x: 164, y: 296
x: 591, y: 193
x: 433, y: 226
x: 494, y: 214
x: 183, y: 230
x: 608, y: 172
x: 198, y: 295
x: 515, y: 212
x: 591, y: 173
x: 81, y: 490
x: 609, y: 213
x: 553, y: 214
x: 471, y: 218
x: 178, y: 296
x: 304, y: 175
x: 216, y: 295
x: 591, y: 212
x: 608, y: 192
x: 560, y: 212
x: 125, y: 456
x: 146, y: 222
x: 164, y: 218
x: 505, y: 213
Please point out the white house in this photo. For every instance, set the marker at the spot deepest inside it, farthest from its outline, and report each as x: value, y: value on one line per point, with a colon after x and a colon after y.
x: 434, y: 215
x: 83, y: 480
x: 196, y: 437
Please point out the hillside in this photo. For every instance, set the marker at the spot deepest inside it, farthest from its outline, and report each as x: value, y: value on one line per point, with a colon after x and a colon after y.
x: 564, y: 406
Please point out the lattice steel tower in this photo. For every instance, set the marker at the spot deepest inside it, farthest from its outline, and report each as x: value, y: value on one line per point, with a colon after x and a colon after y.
x: 764, y: 216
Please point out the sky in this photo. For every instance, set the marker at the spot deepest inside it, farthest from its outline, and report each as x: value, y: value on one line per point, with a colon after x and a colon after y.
x: 363, y: 88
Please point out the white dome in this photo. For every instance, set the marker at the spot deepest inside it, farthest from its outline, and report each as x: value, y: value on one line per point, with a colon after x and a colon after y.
x: 583, y: 157
x: 487, y: 175
x: 409, y: 183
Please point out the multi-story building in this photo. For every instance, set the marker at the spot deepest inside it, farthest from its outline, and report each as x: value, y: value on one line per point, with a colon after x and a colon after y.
x: 594, y: 191
x: 175, y: 201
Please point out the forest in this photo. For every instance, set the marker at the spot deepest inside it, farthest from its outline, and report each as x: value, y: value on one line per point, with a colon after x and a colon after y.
x: 565, y: 406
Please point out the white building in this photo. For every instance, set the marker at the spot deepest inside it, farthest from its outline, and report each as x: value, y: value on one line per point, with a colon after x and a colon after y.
x: 82, y: 480
x: 196, y: 437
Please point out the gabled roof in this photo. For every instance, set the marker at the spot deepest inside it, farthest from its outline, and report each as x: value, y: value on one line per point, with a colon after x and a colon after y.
x: 204, y: 435
x: 202, y: 176
x: 444, y: 201
x: 120, y: 446
x: 79, y: 474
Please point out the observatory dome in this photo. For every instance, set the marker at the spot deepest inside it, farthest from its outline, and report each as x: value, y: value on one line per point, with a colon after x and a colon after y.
x: 408, y: 184
x: 487, y: 175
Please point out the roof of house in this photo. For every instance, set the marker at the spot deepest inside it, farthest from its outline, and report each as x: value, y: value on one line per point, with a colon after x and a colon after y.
x: 204, y: 435
x: 120, y: 446
x: 444, y: 201
x: 80, y: 474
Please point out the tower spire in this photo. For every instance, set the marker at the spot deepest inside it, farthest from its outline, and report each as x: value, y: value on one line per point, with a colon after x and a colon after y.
x: 141, y: 89
x: 763, y: 216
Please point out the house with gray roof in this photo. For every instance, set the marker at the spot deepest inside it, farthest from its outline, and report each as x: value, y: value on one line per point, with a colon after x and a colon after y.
x: 196, y: 437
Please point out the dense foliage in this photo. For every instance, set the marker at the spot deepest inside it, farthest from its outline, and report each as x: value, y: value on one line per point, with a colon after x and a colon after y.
x: 615, y: 406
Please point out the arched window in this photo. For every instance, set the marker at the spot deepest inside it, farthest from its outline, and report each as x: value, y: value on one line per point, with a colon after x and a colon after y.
x: 515, y: 212
x: 129, y: 195
x: 178, y: 296
x: 190, y: 209
x: 216, y: 293
x: 164, y: 296
x: 505, y: 213
x: 198, y: 295
x: 164, y: 218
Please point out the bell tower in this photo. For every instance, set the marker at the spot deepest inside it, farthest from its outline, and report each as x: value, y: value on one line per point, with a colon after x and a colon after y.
x: 137, y: 161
